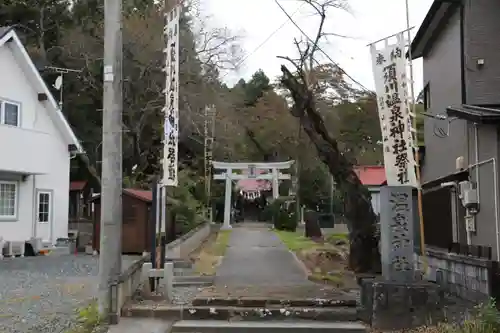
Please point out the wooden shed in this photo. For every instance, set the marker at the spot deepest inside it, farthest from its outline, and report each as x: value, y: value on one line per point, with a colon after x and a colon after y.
x: 136, y: 221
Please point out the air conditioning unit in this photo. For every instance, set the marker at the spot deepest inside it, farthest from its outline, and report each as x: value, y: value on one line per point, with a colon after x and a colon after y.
x: 13, y: 249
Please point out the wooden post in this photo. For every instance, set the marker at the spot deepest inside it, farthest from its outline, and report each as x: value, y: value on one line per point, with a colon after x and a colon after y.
x: 417, y: 171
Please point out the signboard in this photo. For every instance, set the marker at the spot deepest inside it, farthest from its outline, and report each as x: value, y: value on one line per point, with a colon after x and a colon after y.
x: 252, y: 172
x: 391, y: 84
x: 171, y: 110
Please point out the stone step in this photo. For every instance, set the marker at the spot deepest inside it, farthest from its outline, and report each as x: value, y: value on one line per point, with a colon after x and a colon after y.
x: 180, y: 263
x: 180, y: 283
x: 266, y: 302
x: 193, y: 280
x: 183, y: 271
x: 220, y: 326
x: 175, y: 312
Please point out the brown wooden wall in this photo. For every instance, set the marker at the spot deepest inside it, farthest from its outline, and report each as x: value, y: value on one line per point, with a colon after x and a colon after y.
x: 135, y: 235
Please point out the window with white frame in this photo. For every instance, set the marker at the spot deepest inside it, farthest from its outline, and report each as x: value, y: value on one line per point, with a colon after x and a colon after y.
x: 9, y: 113
x: 8, y: 199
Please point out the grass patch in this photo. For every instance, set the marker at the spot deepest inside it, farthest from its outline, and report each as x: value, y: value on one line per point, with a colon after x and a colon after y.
x: 222, y: 241
x: 295, y: 241
x: 336, y: 237
x: 212, y: 253
x: 337, y: 279
x: 89, y: 320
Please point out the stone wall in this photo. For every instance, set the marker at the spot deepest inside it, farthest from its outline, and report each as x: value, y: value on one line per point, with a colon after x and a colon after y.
x: 466, y: 277
x: 187, y: 243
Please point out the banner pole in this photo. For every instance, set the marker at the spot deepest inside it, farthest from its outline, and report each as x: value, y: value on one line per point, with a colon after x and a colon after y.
x: 415, y: 141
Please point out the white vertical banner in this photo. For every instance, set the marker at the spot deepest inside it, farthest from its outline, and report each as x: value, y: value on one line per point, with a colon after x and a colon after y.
x: 391, y: 85
x: 171, y: 110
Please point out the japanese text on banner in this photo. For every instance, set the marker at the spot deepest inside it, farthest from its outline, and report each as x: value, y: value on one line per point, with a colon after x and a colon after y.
x: 389, y: 69
x: 171, y: 110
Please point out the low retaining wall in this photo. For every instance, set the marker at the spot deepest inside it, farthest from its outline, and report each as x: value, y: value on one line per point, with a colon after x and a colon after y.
x: 466, y: 277
x: 184, y: 245
x: 124, y: 288
x: 131, y: 279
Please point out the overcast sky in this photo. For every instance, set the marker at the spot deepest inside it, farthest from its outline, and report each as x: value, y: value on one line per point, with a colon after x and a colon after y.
x: 368, y: 21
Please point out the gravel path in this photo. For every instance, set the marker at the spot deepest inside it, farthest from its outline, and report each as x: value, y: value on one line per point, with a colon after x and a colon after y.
x: 42, y: 294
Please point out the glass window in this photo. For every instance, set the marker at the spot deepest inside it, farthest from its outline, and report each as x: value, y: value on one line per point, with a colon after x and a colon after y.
x: 8, y: 196
x: 9, y: 113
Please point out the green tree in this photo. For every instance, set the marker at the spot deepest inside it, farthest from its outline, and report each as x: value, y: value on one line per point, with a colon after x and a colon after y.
x: 39, y: 21
x: 256, y: 87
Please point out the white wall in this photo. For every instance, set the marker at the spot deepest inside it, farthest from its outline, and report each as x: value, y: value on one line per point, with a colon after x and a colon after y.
x: 375, y: 199
x: 14, y: 85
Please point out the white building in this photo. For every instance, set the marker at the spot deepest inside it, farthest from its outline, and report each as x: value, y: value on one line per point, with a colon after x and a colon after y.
x: 36, y: 144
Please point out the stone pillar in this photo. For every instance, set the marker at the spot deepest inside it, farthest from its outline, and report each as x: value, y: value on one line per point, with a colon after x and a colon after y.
x: 276, y: 184
x: 227, y: 201
x: 396, y: 233
x: 396, y: 300
x: 168, y: 280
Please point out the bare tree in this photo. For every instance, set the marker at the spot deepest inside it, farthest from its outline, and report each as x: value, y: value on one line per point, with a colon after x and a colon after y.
x: 301, y: 82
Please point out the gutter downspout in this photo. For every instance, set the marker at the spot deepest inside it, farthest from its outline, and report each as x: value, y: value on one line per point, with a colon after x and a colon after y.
x: 34, y: 207
x: 476, y: 162
x: 495, y: 194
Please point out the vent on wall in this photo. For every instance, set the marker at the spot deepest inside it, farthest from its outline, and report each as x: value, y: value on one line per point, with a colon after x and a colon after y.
x: 42, y: 97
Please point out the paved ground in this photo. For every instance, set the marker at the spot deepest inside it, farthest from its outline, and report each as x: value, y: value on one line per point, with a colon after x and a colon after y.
x: 256, y: 257
x: 41, y: 294
x: 142, y: 325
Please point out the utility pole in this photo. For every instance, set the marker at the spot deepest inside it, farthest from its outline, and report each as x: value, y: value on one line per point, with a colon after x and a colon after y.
x: 209, y: 128
x: 111, y: 174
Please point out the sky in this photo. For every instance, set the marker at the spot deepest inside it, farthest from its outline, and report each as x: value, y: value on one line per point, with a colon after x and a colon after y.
x: 367, y: 21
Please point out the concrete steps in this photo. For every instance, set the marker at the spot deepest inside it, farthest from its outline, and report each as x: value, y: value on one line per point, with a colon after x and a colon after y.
x: 220, y: 326
x: 256, y: 302
x: 192, y: 280
x: 175, y: 312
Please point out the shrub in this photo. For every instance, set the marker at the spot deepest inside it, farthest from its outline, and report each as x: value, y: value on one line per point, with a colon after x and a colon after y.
x: 485, y: 319
x: 283, y: 215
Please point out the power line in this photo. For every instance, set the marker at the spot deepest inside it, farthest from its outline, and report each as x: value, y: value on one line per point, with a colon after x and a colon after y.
x: 320, y: 49
x: 271, y: 35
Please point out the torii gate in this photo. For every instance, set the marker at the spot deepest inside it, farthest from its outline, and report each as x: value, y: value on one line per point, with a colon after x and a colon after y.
x: 252, y: 168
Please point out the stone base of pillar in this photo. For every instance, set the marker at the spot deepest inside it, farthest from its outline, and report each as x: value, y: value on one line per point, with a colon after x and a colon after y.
x: 387, y: 305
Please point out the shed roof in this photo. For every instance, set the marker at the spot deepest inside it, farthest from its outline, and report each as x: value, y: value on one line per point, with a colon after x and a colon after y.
x: 77, y: 185
x: 477, y: 114
x: 143, y: 195
x: 371, y: 175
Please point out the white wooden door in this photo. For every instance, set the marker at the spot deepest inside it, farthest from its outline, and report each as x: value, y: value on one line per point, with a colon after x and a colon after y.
x: 44, y: 215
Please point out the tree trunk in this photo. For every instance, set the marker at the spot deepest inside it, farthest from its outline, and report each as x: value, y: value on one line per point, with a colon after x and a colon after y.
x: 364, y: 254
x: 313, y: 230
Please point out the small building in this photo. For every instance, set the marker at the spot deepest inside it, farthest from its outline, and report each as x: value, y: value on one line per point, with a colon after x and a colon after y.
x: 37, y: 144
x: 373, y: 177
x: 80, y: 215
x: 136, y: 230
